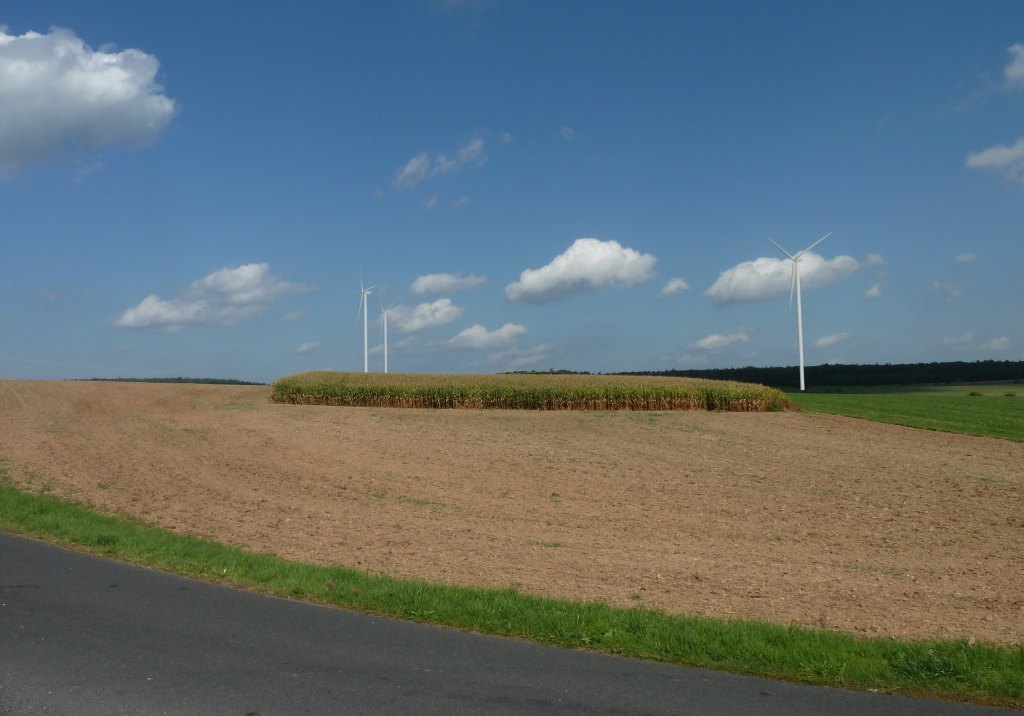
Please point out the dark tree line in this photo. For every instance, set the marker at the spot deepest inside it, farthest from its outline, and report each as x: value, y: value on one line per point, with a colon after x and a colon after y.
x: 866, y: 375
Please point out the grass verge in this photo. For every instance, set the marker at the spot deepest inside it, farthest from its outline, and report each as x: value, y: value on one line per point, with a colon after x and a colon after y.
x: 955, y: 670
x: 996, y: 415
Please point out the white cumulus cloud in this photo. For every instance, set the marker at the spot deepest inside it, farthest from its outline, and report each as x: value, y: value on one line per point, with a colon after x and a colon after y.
x: 59, y: 98
x: 422, y: 166
x: 170, y: 316
x: 222, y: 298
x: 996, y: 344
x: 589, y: 264
x: 718, y: 341
x: 828, y: 341
x: 874, y: 291
x: 307, y: 347
x: 765, y: 278
x: 674, y: 286
x: 409, y: 319
x: 1014, y: 72
x: 478, y: 336
x: 445, y: 283
x: 875, y: 260
x: 244, y: 285
x: 1007, y: 160
x: 965, y: 259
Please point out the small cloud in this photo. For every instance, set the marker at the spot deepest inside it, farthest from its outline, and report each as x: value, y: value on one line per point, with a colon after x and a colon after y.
x: 567, y: 133
x: 828, y: 341
x: 478, y: 336
x: 965, y: 259
x: 222, y: 298
x: 950, y: 291
x: 425, y: 315
x: 85, y: 169
x: 155, y: 312
x: 966, y: 339
x: 1008, y: 160
x: 422, y: 167
x: 717, y: 341
x: 293, y: 316
x: 875, y: 291
x: 1014, y: 72
x: 445, y: 283
x: 246, y: 284
x: 765, y: 278
x: 461, y: 201
x: 519, y: 357
x: 996, y: 344
x: 430, y: 203
x: 307, y: 348
x: 507, y: 138
x: 415, y: 170
x: 674, y: 286
x: 587, y: 265
x: 875, y: 260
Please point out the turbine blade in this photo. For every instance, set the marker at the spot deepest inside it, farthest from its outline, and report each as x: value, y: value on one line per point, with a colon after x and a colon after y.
x: 813, y: 245
x: 782, y: 250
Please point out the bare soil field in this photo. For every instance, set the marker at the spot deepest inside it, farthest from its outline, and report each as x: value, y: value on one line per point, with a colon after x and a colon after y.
x: 787, y: 517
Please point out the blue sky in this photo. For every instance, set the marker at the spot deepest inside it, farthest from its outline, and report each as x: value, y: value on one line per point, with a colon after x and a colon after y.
x: 193, y: 188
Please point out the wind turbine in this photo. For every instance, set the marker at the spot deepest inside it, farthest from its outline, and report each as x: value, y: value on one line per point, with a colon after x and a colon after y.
x: 384, y: 329
x: 363, y: 293
x: 795, y: 285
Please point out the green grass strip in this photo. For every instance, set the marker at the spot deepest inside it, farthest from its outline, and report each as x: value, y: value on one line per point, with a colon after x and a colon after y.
x: 996, y: 416
x: 955, y: 670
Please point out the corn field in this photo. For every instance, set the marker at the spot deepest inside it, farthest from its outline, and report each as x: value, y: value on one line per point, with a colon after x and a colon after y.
x: 524, y: 392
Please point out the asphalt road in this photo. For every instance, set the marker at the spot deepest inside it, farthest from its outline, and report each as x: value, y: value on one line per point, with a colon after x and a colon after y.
x: 83, y: 635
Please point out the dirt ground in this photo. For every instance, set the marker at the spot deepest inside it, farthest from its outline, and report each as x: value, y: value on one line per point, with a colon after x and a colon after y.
x: 787, y: 517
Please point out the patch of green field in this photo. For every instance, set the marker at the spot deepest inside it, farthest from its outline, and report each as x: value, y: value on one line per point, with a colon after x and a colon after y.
x: 524, y: 392
x: 956, y: 670
x: 986, y: 410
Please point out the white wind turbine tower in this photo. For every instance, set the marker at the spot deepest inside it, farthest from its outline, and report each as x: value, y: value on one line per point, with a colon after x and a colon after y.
x: 363, y: 293
x: 384, y: 328
x: 795, y: 285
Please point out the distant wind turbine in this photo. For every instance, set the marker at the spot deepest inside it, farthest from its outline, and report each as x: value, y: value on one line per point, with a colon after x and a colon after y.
x: 795, y: 286
x: 384, y: 330
x: 363, y: 293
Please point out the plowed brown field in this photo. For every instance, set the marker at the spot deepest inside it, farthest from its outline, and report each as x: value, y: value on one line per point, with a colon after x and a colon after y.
x: 787, y: 517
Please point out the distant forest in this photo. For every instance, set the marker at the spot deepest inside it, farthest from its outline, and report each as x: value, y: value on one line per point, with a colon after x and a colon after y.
x: 201, y: 381
x: 984, y: 371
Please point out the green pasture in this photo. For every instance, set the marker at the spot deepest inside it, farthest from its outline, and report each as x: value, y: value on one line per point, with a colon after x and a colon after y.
x: 989, y: 410
x: 948, y: 669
